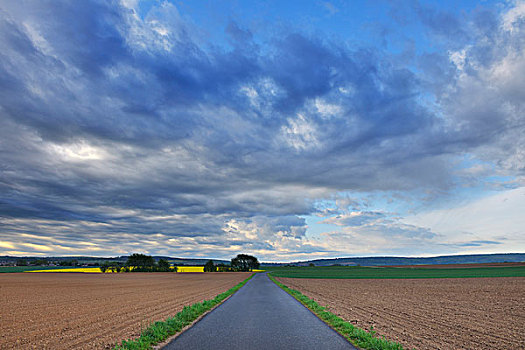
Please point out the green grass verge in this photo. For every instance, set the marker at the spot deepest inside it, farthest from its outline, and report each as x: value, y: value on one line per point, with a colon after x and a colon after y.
x: 357, y: 336
x: 159, y: 331
x: 357, y: 272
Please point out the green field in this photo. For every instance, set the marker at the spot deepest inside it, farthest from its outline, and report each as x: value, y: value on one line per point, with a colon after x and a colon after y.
x: 4, y: 269
x: 352, y: 272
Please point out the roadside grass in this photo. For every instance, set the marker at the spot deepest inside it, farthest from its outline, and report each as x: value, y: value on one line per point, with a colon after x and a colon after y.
x: 358, y: 272
x: 357, y: 336
x: 159, y: 331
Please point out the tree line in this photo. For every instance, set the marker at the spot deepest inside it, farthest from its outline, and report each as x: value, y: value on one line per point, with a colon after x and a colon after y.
x: 139, y: 263
x: 241, y: 262
x: 146, y: 263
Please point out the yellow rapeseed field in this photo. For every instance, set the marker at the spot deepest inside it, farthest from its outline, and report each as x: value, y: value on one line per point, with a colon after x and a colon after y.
x: 80, y: 269
x: 190, y: 268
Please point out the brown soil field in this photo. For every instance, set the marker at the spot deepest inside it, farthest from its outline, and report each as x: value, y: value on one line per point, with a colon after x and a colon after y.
x: 456, y: 313
x: 95, y: 311
x: 452, y: 266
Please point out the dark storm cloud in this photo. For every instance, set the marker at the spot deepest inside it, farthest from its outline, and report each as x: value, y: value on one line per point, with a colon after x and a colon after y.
x: 136, y: 125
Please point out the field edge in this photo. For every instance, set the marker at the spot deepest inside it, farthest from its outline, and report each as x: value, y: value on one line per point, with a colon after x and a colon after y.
x: 160, y: 331
x: 368, y: 272
x: 357, y: 336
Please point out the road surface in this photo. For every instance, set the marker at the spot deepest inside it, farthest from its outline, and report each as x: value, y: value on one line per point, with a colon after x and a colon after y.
x: 260, y: 316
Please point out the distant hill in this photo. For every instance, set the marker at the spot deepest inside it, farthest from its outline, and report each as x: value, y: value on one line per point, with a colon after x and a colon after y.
x: 437, y: 260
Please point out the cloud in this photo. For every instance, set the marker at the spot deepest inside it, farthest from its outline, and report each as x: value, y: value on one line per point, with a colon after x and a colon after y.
x: 513, y: 17
x: 387, y: 238
x: 484, y: 222
x: 354, y: 218
x: 331, y: 8
x: 120, y: 125
x: 485, y: 102
x: 478, y: 243
x: 444, y: 25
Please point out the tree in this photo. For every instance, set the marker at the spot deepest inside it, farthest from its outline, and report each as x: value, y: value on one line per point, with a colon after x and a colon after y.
x: 141, y: 262
x: 244, y: 262
x: 21, y: 262
x: 311, y: 264
x: 164, y: 266
x: 104, y: 267
x: 210, y: 267
x: 40, y: 262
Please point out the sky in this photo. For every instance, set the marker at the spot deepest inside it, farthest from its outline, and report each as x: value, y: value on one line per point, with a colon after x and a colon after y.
x: 289, y: 130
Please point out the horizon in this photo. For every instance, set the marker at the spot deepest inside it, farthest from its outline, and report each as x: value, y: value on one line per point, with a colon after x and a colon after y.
x: 289, y: 131
x: 264, y: 262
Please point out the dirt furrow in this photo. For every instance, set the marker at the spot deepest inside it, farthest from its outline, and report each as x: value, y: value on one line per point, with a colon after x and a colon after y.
x: 480, y: 313
x: 95, y: 311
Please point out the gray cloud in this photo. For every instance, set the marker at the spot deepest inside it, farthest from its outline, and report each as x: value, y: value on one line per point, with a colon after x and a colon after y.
x: 135, y: 126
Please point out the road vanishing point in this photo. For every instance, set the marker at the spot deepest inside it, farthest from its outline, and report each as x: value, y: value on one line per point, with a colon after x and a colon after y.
x: 260, y: 316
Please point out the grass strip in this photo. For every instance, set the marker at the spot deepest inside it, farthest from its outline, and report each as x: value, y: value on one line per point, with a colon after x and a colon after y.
x: 368, y: 272
x: 159, y: 331
x: 357, y: 336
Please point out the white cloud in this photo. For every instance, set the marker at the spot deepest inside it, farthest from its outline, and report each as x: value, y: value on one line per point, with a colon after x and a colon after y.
x: 327, y: 109
x: 458, y: 58
x: 78, y: 151
x: 300, y: 133
x: 252, y: 95
x: 513, y: 16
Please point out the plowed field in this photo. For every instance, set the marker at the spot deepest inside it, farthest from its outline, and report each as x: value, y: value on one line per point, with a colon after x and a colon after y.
x: 456, y: 313
x: 95, y: 311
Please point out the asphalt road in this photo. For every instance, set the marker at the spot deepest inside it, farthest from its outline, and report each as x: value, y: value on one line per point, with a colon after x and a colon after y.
x: 260, y: 316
